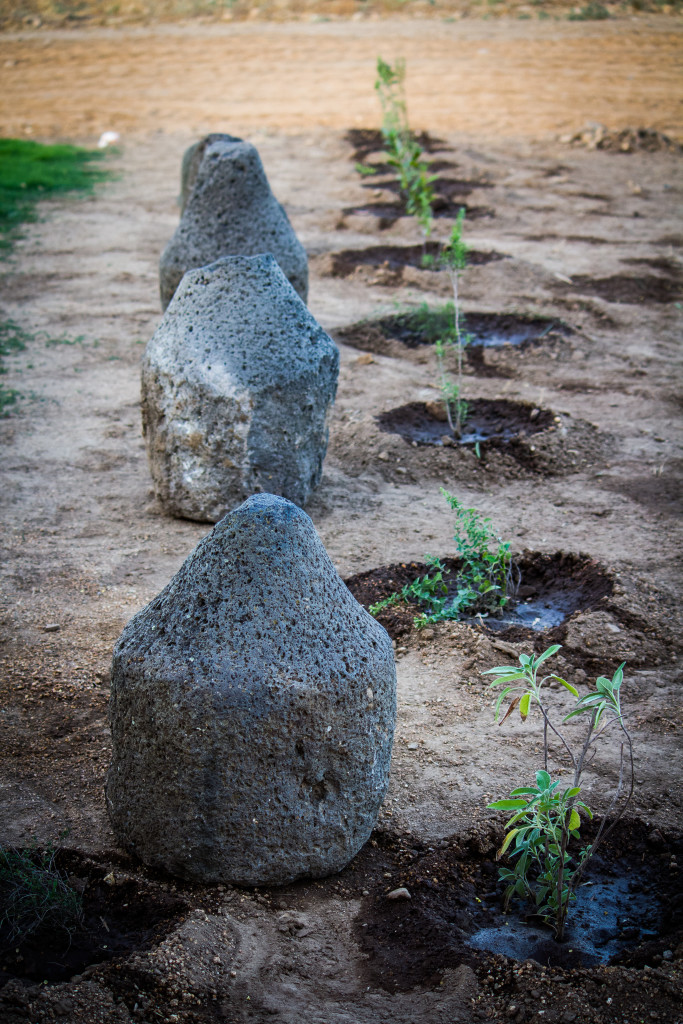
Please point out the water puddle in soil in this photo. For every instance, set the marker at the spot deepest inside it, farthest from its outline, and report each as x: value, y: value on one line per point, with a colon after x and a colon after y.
x: 552, y: 588
x: 487, y: 420
x: 609, y: 915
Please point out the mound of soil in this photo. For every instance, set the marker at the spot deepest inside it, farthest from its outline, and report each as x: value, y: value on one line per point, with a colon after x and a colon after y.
x: 393, y: 259
x: 552, y: 588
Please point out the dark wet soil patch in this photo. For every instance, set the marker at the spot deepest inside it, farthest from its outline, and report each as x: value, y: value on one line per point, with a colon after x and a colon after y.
x: 413, y: 330
x: 447, y: 190
x: 488, y: 421
x: 392, y: 260
x: 552, y: 587
x: 120, y: 914
x: 622, y: 288
x: 387, y: 213
x: 365, y: 141
x: 628, y: 913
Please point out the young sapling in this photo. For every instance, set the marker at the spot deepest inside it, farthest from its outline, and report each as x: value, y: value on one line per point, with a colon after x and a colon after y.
x: 404, y: 152
x: 546, y: 818
x: 482, y: 586
x: 454, y: 258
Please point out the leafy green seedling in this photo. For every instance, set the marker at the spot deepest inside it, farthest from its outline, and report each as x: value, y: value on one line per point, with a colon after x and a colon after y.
x: 546, y: 817
x: 482, y: 586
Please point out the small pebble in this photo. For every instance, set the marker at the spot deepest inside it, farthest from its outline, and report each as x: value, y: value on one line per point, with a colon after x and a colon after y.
x: 399, y: 894
x: 52, y: 627
x: 667, y: 954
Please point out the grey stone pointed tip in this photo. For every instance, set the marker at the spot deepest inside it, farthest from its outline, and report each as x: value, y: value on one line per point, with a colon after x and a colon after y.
x: 252, y: 710
x: 229, y: 209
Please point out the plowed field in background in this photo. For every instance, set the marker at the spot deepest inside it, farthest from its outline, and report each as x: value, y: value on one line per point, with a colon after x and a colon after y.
x: 503, y: 78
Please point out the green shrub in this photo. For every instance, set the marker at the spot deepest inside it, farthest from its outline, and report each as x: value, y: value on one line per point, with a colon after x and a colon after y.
x: 546, y: 817
x: 483, y: 585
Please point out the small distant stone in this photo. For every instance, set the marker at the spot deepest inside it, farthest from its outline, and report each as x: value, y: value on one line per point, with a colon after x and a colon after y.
x: 365, y: 359
x: 229, y: 210
x: 668, y: 954
x: 413, y: 746
x: 399, y: 894
x: 383, y: 456
x: 52, y: 627
x: 365, y: 892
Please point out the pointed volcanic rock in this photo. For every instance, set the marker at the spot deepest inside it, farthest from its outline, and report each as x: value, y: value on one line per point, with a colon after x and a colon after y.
x: 192, y: 158
x: 237, y: 384
x: 229, y: 211
x: 253, y: 705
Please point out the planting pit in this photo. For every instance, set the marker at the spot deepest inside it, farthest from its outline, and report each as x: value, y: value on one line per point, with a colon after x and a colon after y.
x: 403, y: 334
x: 488, y: 421
x: 392, y: 264
x: 623, y: 288
x: 552, y: 588
x: 365, y: 141
x: 387, y: 213
x: 628, y: 913
x: 121, y: 914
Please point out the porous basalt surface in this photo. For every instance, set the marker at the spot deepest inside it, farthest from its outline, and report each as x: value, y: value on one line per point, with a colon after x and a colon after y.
x: 237, y: 383
x: 252, y: 710
x: 192, y: 158
x: 230, y: 210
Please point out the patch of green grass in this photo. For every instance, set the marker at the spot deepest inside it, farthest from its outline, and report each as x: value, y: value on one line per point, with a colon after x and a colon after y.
x: 34, y: 894
x: 31, y: 171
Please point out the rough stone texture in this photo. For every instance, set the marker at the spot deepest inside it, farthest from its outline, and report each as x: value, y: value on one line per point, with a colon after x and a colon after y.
x: 237, y: 383
x: 253, y: 705
x: 192, y: 158
x: 230, y: 210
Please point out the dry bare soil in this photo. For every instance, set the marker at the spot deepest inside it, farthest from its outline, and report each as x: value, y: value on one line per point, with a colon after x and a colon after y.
x: 588, y: 238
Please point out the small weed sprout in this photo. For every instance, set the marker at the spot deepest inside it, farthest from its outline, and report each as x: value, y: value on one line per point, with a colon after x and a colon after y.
x: 404, y: 152
x: 34, y: 894
x: 483, y: 585
x: 546, y: 817
x: 454, y: 258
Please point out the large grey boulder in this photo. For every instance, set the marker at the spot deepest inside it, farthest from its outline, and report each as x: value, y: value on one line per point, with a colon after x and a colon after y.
x: 230, y: 210
x: 237, y: 383
x: 252, y: 710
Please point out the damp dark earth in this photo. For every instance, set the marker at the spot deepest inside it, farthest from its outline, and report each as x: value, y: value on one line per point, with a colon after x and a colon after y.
x: 560, y: 139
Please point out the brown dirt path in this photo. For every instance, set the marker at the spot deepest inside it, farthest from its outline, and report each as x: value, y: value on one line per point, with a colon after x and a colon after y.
x: 502, y: 78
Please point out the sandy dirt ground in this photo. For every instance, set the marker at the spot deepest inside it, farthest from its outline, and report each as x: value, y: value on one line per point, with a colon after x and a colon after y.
x: 85, y: 544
